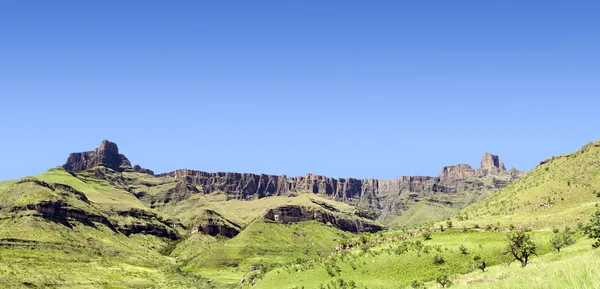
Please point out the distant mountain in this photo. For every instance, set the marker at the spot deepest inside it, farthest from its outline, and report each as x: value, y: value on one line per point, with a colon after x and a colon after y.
x: 385, y: 200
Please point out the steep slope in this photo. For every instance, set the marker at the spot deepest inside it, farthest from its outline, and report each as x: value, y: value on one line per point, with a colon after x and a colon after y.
x: 53, y: 235
x: 563, y: 190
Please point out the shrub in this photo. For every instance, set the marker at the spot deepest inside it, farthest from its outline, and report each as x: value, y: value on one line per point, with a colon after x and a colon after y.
x: 426, y: 234
x: 463, y: 250
x: 481, y: 265
x: 438, y: 260
x: 560, y: 240
x: 443, y: 278
x: 593, y: 229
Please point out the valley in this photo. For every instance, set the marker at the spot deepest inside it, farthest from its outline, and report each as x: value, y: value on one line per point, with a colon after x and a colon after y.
x: 99, y: 222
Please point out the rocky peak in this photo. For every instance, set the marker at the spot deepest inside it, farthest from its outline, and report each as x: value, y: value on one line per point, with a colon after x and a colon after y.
x: 490, y: 161
x: 107, y: 155
x: 462, y: 171
x: 491, y: 164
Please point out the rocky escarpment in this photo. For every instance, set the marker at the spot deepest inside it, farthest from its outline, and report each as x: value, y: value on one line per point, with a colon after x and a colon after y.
x: 293, y: 213
x: 63, y: 204
x: 385, y: 198
x: 461, y: 171
x: 149, y: 223
x: 382, y: 198
x: 214, y: 224
x: 107, y: 155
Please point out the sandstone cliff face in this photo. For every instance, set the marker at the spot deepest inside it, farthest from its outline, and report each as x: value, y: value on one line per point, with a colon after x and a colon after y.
x: 490, y: 164
x: 457, y: 172
x: 293, y: 214
x: 214, y: 224
x: 381, y: 198
x: 107, y: 154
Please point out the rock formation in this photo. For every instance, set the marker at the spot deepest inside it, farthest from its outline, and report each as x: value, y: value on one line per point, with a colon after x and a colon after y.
x: 490, y: 164
x: 292, y: 214
x: 385, y: 199
x: 107, y: 155
x: 457, y: 172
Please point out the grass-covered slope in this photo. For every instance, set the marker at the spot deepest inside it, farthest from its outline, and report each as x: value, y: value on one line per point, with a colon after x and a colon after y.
x: 261, y: 246
x: 561, y: 191
x: 395, y: 263
x: 53, y: 235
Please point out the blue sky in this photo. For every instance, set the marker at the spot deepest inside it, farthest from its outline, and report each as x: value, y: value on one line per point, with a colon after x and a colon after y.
x: 341, y: 88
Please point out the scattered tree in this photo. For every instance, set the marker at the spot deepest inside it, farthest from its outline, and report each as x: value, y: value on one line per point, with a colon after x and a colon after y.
x: 520, y: 246
x: 443, y: 278
x: 426, y: 234
x: 449, y: 224
x: 560, y: 240
x: 418, y: 247
x: 593, y: 229
x: 463, y: 250
x: 481, y: 265
x: 438, y: 260
x: 557, y: 242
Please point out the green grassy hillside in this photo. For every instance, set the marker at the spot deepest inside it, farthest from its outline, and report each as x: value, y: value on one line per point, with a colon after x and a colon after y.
x: 103, y: 228
x: 52, y: 235
x: 562, y: 191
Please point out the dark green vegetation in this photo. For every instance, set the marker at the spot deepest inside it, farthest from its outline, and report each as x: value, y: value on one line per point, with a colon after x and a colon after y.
x: 111, y: 225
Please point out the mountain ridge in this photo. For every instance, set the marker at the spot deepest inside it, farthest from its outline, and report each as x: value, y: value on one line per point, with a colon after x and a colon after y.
x: 386, y: 199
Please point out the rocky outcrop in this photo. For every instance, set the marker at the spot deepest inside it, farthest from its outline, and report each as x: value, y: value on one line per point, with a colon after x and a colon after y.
x: 107, y: 155
x: 459, y: 172
x: 214, y: 224
x: 148, y: 229
x: 61, y: 212
x: 293, y: 214
x: 382, y: 198
x: 490, y: 165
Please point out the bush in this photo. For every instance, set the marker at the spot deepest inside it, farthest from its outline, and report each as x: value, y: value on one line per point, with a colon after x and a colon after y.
x: 426, y: 234
x: 592, y: 229
x: 560, y: 240
x: 463, y: 250
x: 438, y: 260
x: 481, y: 265
x: 443, y: 278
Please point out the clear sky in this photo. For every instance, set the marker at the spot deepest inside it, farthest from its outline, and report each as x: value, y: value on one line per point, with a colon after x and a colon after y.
x: 341, y: 88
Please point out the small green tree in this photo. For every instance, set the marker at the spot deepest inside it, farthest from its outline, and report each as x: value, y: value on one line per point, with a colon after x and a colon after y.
x: 560, y: 240
x: 520, y: 246
x: 443, y: 278
x: 592, y: 229
x: 463, y: 250
x: 418, y: 247
x: 557, y: 242
x: 438, y: 260
x: 426, y: 234
x: 482, y: 265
